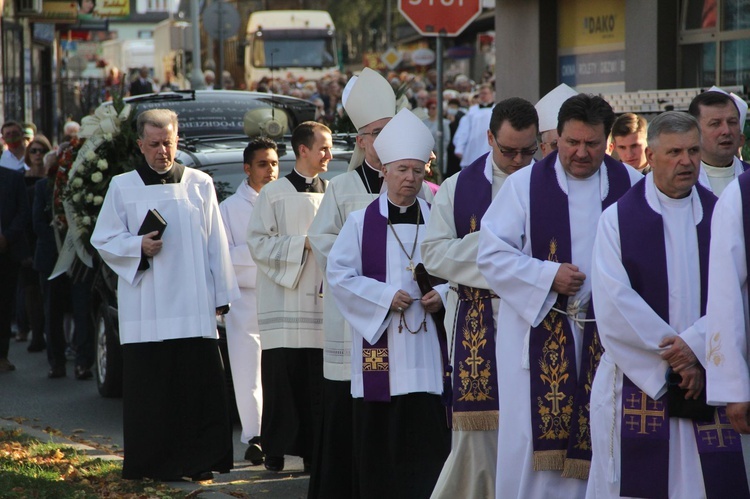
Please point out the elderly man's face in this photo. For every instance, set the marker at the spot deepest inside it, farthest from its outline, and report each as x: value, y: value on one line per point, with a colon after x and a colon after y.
x: 581, y: 148
x: 159, y: 146
x: 675, y: 162
x: 548, y: 144
x: 404, y: 180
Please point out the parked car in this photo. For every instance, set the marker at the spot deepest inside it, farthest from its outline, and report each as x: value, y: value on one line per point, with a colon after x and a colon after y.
x: 212, y: 128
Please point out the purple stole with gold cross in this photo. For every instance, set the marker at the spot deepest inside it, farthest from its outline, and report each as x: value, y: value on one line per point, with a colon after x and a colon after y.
x: 375, y: 372
x: 645, y: 421
x: 475, y: 377
x: 559, y: 398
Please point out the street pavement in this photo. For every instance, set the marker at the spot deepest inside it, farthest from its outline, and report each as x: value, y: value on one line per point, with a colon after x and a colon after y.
x: 73, y: 409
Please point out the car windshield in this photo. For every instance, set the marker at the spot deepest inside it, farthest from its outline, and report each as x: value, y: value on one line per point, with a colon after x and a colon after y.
x: 293, y: 53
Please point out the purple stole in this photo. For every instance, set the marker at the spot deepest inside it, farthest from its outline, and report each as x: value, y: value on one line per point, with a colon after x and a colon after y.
x: 560, y: 400
x: 745, y: 165
x: 375, y: 372
x: 645, y: 421
x: 475, y: 404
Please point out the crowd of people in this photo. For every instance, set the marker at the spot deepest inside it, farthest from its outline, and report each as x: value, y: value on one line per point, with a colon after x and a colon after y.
x: 415, y: 340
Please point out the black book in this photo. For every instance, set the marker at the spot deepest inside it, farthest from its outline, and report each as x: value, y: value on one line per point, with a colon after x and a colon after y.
x: 153, y: 222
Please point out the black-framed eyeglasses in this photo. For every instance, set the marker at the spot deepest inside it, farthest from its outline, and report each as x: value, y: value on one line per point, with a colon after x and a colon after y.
x: 512, y: 153
x: 36, y: 150
x: 374, y: 133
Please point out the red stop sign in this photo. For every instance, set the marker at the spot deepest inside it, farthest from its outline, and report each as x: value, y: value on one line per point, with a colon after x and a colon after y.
x: 432, y: 17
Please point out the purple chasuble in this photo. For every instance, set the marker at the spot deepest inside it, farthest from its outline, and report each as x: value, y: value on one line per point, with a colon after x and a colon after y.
x: 475, y: 404
x: 645, y: 421
x: 559, y: 398
x: 745, y: 165
x: 375, y: 372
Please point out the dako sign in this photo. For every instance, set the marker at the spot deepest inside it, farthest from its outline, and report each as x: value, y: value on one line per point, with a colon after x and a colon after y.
x: 435, y: 17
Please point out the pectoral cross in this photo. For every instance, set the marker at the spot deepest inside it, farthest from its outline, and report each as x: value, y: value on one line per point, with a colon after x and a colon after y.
x: 413, y: 270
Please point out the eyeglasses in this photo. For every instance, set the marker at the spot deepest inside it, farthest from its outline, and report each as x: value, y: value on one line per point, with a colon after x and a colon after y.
x: 374, y: 133
x: 36, y: 150
x: 552, y: 145
x: 512, y: 153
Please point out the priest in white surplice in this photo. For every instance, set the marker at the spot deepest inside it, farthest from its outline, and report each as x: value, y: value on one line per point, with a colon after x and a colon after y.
x: 450, y: 252
x: 535, y: 253
x: 175, y: 419
x: 650, y: 280
x: 290, y: 309
x: 401, y: 436
x: 721, y: 123
x: 370, y: 103
x: 469, y: 140
x: 261, y: 164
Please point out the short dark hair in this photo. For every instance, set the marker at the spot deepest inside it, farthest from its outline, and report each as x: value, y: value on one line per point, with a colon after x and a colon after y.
x: 304, y: 134
x: 627, y: 124
x: 710, y: 98
x: 257, y: 144
x: 519, y: 112
x: 590, y: 109
x: 11, y: 123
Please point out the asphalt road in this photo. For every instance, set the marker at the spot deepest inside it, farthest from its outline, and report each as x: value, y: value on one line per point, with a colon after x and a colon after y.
x: 75, y: 409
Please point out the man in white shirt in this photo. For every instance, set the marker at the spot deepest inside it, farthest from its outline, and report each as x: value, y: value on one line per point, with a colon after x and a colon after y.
x: 470, y: 139
x: 261, y: 163
x: 13, y: 156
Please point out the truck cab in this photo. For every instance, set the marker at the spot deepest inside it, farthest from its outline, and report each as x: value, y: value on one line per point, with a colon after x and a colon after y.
x: 302, y: 42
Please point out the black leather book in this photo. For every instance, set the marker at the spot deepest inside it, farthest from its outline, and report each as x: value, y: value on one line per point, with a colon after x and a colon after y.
x: 153, y: 222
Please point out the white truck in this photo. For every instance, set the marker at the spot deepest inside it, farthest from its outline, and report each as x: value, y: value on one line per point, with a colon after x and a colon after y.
x: 129, y: 55
x: 301, y: 42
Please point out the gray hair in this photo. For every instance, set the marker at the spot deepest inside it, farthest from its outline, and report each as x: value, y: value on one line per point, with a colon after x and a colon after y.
x: 159, y: 118
x: 671, y: 122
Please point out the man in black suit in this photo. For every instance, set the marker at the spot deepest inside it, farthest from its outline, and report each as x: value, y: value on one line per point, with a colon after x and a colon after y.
x: 142, y: 84
x: 14, y: 217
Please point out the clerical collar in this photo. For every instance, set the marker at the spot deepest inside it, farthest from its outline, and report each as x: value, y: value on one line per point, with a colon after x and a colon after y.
x: 404, y: 214
x: 152, y: 177
x: 485, y: 106
x: 305, y: 184
x: 371, y: 177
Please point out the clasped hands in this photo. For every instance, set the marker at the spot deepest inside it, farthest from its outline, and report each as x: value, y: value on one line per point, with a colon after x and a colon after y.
x: 683, y: 361
x: 402, y: 300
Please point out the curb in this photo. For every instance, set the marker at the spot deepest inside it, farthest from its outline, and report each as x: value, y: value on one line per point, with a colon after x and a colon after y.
x: 194, y: 489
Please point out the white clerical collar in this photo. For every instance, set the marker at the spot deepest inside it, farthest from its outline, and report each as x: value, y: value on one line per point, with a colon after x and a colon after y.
x: 654, y: 199
x: 308, y: 180
x: 601, y: 176
x: 161, y: 172
x: 402, y: 209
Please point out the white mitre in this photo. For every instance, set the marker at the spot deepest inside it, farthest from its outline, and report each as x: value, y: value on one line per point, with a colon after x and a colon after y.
x: 367, y: 98
x: 549, y: 106
x: 404, y: 137
x: 739, y: 101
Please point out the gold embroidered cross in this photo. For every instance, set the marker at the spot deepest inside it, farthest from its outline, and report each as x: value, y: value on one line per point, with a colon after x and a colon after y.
x: 372, y: 359
x: 555, y: 397
x: 643, y: 413
x: 705, y: 431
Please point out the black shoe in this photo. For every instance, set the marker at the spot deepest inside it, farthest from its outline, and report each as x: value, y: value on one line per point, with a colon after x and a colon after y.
x: 56, y: 372
x: 202, y: 477
x: 275, y: 463
x: 83, y: 373
x: 36, y: 346
x: 254, y: 453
